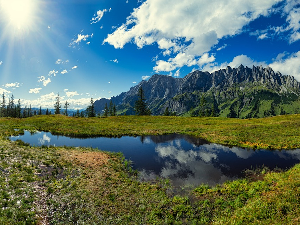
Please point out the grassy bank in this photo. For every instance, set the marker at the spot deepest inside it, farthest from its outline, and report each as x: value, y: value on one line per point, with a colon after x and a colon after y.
x: 280, y: 132
x: 57, y: 185
x: 83, y: 186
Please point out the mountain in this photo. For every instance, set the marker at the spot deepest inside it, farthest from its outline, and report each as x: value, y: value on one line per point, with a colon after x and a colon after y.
x: 232, y: 92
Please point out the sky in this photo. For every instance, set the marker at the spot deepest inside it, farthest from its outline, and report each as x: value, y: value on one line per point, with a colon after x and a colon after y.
x: 83, y: 49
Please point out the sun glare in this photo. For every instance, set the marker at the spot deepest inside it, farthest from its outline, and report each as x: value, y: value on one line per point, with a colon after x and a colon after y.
x: 18, y: 13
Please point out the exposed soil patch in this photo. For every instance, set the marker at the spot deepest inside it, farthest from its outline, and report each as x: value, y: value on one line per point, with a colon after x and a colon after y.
x: 87, y: 159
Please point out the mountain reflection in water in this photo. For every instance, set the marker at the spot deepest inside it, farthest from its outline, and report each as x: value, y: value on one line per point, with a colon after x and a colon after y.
x: 185, y: 160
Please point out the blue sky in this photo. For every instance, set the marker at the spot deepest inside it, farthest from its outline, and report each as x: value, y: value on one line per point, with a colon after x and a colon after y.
x: 100, y: 48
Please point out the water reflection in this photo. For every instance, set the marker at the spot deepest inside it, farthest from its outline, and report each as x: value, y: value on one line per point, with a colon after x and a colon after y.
x: 185, y: 160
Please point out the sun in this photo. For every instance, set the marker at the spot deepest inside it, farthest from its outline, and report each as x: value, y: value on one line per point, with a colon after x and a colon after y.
x: 18, y: 14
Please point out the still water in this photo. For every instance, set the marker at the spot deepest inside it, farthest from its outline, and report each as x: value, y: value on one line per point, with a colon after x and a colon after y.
x: 183, y: 159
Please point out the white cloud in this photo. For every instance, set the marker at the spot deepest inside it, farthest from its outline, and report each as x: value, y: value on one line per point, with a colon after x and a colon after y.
x: 44, y: 80
x: 288, y: 66
x: 263, y: 36
x: 134, y: 82
x: 52, y: 73
x: 145, y: 77
x: 114, y: 60
x: 64, y: 71
x: 4, y: 91
x: 1, y: 62
x: 71, y: 94
x: 74, y: 67
x: 187, y: 29
x: 35, y: 90
x: 81, y: 37
x: 222, y: 47
x: 97, y: 17
x: 12, y: 85
x: 59, y: 61
x: 236, y: 62
x: 205, y: 59
x: 177, y: 73
x: 245, y: 60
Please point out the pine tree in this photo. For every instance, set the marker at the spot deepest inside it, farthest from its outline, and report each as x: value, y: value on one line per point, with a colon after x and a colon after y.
x: 66, y: 107
x: 114, y: 110
x: 47, y: 111
x: 40, y: 111
x: 202, y: 105
x: 105, y: 110
x: 19, y: 109
x: 57, y: 105
x: 91, y: 109
x: 167, y: 112
x: 140, y: 106
x: 110, y: 109
x: 3, y: 110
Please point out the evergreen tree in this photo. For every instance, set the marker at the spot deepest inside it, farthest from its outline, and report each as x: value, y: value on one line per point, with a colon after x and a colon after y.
x: 40, y: 111
x: 110, y: 109
x: 25, y: 112
x: 30, y: 111
x: 202, y: 106
x: 213, y: 111
x: 105, y: 110
x: 47, y: 111
x: 167, y: 112
x: 3, y: 110
x: 114, y: 110
x: 140, y: 106
x: 77, y: 113
x: 57, y: 105
x: 11, y: 107
x: 91, y: 109
x: 66, y: 107
x: 19, y: 109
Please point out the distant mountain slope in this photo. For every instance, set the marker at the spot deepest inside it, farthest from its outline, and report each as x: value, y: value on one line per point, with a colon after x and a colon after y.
x: 232, y: 92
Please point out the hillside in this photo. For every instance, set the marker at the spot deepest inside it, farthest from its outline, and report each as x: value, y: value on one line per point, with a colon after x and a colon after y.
x: 232, y: 92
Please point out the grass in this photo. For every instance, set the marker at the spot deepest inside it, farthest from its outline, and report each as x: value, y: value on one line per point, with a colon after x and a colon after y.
x: 279, y: 132
x: 59, y: 185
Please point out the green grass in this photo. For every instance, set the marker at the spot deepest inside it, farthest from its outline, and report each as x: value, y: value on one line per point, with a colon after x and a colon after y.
x: 58, y: 185
x: 279, y: 132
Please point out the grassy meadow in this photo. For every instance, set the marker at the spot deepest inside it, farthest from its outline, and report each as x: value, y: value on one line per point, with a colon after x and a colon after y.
x: 59, y: 185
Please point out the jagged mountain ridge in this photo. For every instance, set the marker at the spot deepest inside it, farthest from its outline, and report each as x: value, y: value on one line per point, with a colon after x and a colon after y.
x: 182, y: 95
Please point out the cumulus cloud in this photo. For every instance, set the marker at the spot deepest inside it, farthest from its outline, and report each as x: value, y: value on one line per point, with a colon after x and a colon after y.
x: 35, y: 90
x: 2, y: 90
x: 12, y: 85
x: 98, y: 16
x: 236, y: 62
x: 44, y: 80
x: 1, y: 62
x: 187, y: 29
x: 289, y: 65
x: 292, y: 9
x: 64, y: 71
x: 74, y: 67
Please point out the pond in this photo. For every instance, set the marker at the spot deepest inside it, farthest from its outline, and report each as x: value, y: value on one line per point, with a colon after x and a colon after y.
x: 184, y: 160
